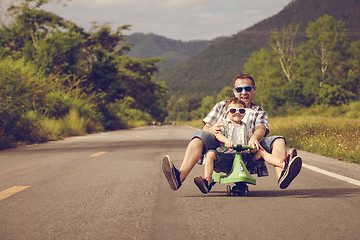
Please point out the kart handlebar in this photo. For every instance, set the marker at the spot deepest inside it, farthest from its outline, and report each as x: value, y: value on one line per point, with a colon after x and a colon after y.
x: 240, y: 148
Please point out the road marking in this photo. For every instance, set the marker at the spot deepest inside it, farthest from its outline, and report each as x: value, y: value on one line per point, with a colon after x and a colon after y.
x: 97, y: 154
x: 331, y: 174
x: 11, y: 191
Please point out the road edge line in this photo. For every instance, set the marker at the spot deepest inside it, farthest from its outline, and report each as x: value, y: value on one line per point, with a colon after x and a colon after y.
x: 333, y: 175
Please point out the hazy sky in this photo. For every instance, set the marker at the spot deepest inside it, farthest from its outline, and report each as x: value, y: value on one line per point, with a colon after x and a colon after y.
x: 176, y: 19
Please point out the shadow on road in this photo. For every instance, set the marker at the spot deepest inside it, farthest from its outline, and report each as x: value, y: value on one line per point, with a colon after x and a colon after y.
x: 298, y: 193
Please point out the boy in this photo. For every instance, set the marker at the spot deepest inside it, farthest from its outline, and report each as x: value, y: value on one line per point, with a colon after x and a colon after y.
x: 234, y: 130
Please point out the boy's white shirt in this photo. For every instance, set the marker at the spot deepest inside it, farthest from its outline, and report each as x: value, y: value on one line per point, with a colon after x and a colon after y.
x: 237, y: 133
x: 246, y: 131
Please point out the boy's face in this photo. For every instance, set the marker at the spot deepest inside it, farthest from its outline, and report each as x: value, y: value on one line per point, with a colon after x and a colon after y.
x: 235, y: 117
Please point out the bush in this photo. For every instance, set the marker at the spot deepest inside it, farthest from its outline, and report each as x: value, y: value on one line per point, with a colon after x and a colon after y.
x: 22, y: 91
x: 72, y: 124
x: 33, y: 109
x: 121, y: 114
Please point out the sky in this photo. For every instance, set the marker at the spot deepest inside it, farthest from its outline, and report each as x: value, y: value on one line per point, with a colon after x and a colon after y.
x: 176, y: 19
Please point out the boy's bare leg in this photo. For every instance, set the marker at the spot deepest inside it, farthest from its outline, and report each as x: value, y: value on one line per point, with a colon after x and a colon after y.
x: 269, y: 158
x: 192, y: 155
x: 279, y: 150
x: 209, y: 165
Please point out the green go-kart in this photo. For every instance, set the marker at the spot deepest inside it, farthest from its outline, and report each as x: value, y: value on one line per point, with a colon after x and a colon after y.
x: 239, y: 173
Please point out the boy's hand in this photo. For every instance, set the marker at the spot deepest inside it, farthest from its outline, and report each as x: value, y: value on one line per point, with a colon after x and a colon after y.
x: 229, y: 144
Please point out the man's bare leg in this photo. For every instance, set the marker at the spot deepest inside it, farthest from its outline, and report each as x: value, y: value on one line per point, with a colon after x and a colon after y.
x: 192, y: 155
x: 279, y: 150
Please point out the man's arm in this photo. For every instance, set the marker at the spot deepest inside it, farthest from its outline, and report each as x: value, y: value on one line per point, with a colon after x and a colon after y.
x: 258, y: 134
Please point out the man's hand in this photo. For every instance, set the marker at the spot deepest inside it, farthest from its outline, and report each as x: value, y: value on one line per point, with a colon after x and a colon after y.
x: 215, y: 129
x: 254, y: 143
x: 254, y: 140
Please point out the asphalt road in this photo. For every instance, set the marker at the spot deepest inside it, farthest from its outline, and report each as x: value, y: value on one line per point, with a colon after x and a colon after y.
x: 110, y: 186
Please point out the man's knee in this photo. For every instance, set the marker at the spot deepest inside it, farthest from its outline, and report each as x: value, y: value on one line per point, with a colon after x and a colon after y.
x: 278, y: 143
x: 198, y: 142
x: 205, y: 139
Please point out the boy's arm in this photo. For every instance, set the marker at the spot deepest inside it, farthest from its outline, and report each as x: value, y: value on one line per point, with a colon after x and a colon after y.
x: 228, y: 143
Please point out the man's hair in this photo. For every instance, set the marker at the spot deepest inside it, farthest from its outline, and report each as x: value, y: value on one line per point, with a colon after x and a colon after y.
x: 234, y: 100
x: 244, y: 76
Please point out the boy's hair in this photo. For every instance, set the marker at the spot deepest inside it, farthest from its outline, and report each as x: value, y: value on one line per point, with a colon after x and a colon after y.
x: 244, y: 76
x: 234, y: 100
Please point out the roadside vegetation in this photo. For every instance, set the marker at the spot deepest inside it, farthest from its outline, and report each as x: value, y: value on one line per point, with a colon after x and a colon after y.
x: 58, y: 80
x: 332, y: 137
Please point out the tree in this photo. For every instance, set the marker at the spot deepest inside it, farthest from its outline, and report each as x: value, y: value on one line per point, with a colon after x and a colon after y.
x: 268, y: 78
x: 225, y: 93
x: 95, y: 60
x: 283, y: 44
x: 327, y: 42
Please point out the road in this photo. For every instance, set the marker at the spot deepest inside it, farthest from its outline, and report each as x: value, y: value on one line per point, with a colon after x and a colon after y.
x: 110, y: 186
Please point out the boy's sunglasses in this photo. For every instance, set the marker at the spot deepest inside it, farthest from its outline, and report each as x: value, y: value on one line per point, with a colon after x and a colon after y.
x: 234, y: 110
x: 247, y: 89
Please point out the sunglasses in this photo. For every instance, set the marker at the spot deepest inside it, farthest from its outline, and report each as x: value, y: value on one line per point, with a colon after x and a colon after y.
x: 234, y: 110
x: 247, y: 89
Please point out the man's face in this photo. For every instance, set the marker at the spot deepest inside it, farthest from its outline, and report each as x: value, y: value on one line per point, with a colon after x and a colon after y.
x: 244, y: 95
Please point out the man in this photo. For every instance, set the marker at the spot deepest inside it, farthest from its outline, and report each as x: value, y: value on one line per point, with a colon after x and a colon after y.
x: 205, y: 140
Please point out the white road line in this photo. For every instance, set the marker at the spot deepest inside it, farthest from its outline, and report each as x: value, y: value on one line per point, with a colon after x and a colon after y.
x: 331, y: 174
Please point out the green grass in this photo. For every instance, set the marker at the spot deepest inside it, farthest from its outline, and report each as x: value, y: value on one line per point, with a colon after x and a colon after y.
x: 332, y: 137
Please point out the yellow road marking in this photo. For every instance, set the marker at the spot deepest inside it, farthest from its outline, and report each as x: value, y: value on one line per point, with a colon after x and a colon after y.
x: 11, y: 191
x: 97, y: 154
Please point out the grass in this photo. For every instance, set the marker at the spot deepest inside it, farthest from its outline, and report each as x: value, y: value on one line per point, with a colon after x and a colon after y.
x: 332, y: 137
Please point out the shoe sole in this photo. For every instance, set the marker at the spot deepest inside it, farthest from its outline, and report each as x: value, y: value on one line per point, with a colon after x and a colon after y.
x: 293, y: 170
x: 168, y: 170
x: 200, y: 184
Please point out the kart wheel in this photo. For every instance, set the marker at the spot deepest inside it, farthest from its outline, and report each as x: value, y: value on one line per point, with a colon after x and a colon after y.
x: 228, y: 190
x: 246, y: 192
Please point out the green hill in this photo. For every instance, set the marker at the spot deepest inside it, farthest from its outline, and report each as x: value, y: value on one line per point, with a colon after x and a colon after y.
x: 173, y: 51
x: 213, y: 68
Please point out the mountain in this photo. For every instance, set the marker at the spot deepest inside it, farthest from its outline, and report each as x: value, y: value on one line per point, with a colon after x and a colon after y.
x: 173, y: 51
x: 214, y: 68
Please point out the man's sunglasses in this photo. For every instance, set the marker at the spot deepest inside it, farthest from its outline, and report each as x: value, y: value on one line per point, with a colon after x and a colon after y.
x: 247, y: 89
x: 234, y: 110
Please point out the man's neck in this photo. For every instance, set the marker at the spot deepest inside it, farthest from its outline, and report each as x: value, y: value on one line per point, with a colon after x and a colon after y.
x: 248, y: 105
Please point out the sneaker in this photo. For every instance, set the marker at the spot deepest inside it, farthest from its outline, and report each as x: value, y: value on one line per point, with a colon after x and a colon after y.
x: 293, y: 153
x: 291, y: 170
x: 171, y: 173
x: 202, y: 184
x: 211, y: 184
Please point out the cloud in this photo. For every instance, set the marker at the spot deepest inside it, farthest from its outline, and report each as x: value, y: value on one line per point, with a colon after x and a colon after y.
x: 142, y: 3
x: 177, y: 19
